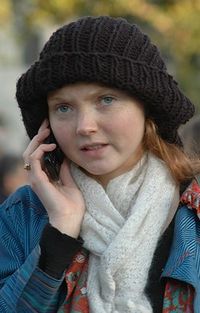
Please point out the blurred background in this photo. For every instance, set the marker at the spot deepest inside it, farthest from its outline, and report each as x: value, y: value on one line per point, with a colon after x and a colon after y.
x: 174, y: 25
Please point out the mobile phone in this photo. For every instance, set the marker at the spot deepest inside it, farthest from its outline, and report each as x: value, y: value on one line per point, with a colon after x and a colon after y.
x: 53, y: 159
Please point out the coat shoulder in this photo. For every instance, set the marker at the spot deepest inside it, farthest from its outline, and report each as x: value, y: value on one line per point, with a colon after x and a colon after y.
x: 23, y: 202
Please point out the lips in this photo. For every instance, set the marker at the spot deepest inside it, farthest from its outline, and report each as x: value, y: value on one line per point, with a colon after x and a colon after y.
x: 94, y: 146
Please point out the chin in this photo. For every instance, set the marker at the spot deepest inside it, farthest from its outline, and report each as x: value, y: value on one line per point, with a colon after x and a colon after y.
x: 96, y: 171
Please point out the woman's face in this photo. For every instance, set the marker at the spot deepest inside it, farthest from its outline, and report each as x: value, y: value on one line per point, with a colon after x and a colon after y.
x: 97, y: 127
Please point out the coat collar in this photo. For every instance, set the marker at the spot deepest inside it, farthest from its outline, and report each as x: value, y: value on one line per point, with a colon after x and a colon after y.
x: 191, y: 196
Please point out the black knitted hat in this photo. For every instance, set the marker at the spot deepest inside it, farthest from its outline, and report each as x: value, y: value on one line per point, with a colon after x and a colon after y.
x: 110, y: 51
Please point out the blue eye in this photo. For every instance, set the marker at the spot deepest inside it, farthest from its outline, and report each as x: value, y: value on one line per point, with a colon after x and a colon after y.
x: 107, y: 100
x: 64, y: 108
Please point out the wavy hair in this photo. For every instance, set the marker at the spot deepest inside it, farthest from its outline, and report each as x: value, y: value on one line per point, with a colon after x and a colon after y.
x: 181, y: 166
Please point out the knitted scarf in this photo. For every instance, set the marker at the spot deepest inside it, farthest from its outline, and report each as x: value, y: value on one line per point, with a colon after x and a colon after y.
x: 121, y: 228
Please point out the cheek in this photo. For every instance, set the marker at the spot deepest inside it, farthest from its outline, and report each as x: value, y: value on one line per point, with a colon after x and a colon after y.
x: 138, y: 127
x: 136, y: 122
x: 128, y: 128
x: 62, y: 134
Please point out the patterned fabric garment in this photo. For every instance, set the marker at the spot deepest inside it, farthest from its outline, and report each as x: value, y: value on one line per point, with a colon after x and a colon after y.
x: 178, y: 298
x: 191, y: 197
x: 76, y: 279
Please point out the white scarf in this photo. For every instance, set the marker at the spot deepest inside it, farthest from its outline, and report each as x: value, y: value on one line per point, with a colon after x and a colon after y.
x: 121, y: 228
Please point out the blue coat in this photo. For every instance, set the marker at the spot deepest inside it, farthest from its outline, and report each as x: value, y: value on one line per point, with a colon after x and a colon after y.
x: 26, y: 288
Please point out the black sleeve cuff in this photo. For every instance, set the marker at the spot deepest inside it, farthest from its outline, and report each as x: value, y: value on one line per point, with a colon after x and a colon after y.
x: 57, y: 251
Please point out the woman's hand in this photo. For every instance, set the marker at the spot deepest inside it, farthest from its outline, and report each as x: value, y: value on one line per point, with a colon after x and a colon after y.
x: 63, y: 200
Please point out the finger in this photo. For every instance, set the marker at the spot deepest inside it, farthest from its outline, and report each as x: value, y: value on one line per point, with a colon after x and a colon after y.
x: 43, y: 132
x: 38, y: 154
x: 44, y: 125
x: 35, y: 143
x: 35, y: 159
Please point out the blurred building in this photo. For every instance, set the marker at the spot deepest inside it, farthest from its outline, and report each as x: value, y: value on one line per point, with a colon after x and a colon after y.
x: 12, y: 133
x: 190, y: 135
x: 14, y: 60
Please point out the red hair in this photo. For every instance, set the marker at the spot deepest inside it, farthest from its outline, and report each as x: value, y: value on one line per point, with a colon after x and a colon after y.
x: 181, y: 166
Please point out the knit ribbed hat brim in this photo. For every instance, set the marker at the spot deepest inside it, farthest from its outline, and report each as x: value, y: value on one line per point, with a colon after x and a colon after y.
x: 71, y: 55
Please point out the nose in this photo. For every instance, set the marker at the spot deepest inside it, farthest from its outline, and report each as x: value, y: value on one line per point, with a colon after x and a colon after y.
x: 86, y: 124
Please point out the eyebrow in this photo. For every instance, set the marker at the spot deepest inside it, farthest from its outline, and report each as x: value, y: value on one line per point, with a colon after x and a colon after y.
x: 96, y: 93
x: 101, y: 91
x: 55, y: 98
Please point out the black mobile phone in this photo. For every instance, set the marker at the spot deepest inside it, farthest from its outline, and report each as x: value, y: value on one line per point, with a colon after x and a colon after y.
x: 53, y: 159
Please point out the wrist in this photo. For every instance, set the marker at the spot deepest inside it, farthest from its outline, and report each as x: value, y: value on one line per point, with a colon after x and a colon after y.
x: 57, y: 251
x: 67, y: 225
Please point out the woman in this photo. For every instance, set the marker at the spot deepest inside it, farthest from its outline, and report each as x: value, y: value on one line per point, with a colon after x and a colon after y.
x: 96, y: 234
